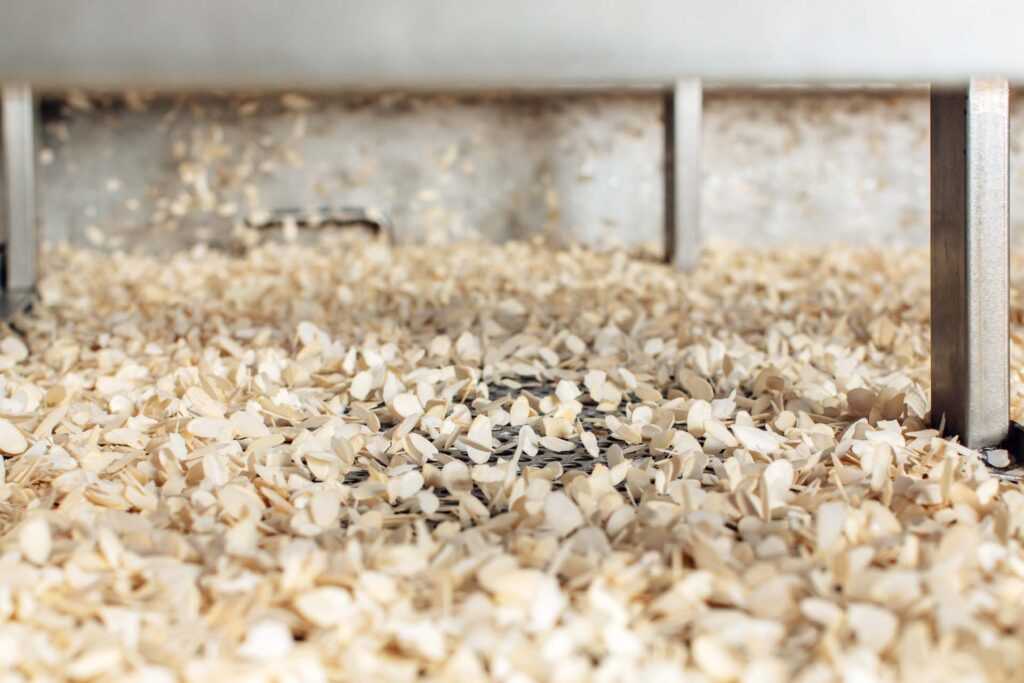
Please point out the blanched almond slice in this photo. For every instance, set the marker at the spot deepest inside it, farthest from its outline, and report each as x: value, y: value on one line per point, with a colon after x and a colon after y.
x: 35, y: 540
x: 405, y: 405
x: 562, y: 514
x: 519, y: 413
x: 327, y: 606
x: 361, y: 385
x: 14, y: 348
x: 210, y: 428
x: 422, y: 449
x: 249, y: 426
x: 778, y: 478
x: 553, y: 443
x: 479, y: 440
x: 12, y: 442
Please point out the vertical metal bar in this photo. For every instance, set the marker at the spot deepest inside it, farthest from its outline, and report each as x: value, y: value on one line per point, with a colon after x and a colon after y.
x: 19, y: 230
x: 683, y: 120
x: 970, y: 261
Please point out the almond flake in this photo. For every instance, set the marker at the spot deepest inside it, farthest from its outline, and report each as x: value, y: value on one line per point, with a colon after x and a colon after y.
x: 248, y: 426
x: 14, y: 348
x: 324, y: 507
x: 697, y: 416
x: 520, y: 411
x: 405, y: 405
x: 553, y: 443
x: 778, y: 478
x: 361, y: 385
x: 420, y: 447
x: 266, y: 641
x: 757, y: 440
x: 478, y: 441
x: 404, y: 486
x: 326, y: 606
x: 34, y: 540
x: 11, y: 440
x: 562, y: 514
x: 210, y: 428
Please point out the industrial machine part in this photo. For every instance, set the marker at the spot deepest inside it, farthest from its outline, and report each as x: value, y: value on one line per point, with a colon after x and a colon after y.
x: 682, y: 173
x: 970, y: 260
x: 18, y: 230
x: 370, y: 218
x: 342, y: 216
x: 486, y: 44
x: 463, y: 44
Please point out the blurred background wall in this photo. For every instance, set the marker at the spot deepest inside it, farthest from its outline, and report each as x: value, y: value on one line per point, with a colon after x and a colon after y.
x: 778, y: 167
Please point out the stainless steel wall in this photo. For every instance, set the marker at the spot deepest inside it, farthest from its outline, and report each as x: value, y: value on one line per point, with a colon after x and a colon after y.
x: 179, y: 170
x: 777, y: 168
x: 444, y: 44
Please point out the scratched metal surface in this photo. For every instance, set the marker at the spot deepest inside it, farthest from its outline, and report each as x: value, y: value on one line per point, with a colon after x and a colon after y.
x: 778, y: 168
x: 186, y: 169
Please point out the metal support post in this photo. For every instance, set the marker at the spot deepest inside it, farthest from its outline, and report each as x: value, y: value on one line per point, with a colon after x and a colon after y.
x: 970, y: 261
x: 19, y: 225
x: 683, y: 109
